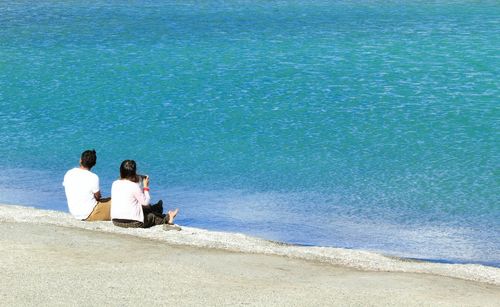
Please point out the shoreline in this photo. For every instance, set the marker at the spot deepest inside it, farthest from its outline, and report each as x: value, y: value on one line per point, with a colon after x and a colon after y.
x: 49, y: 265
x: 240, y: 243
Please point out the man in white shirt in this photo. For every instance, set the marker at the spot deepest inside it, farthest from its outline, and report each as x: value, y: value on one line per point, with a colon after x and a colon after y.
x: 83, y: 193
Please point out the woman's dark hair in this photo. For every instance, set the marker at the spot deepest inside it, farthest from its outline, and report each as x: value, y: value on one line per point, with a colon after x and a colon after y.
x: 88, y: 158
x: 128, y: 170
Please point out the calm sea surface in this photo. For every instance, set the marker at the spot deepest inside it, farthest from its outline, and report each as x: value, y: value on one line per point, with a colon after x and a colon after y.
x: 359, y: 124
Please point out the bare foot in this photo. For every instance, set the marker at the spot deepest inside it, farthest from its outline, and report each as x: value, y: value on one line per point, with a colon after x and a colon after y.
x: 171, y: 215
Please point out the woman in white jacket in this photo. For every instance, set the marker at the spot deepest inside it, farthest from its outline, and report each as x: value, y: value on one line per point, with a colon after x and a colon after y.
x: 130, y: 206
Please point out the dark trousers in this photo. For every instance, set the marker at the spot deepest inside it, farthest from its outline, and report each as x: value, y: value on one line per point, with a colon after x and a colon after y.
x: 152, y: 217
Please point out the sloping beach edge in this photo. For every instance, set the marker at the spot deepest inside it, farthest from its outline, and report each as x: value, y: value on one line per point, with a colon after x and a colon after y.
x: 236, y: 242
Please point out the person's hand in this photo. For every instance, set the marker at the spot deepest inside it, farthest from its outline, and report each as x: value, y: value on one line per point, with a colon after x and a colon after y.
x: 145, y: 182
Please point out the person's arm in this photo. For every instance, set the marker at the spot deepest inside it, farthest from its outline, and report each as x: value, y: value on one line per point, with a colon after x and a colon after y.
x: 95, y: 188
x: 143, y: 197
x: 97, y: 195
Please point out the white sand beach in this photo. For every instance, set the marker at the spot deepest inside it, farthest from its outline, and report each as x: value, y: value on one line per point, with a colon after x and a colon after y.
x: 48, y: 258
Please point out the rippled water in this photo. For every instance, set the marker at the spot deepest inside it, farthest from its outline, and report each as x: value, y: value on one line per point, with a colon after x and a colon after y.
x: 360, y: 124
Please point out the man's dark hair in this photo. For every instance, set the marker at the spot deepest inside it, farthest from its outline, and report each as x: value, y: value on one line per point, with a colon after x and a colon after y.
x: 128, y: 170
x: 89, y: 158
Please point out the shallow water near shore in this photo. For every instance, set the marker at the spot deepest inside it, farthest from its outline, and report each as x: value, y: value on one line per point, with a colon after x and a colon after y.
x: 358, y: 124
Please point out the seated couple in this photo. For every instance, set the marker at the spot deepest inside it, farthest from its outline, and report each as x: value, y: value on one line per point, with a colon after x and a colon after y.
x: 129, y: 204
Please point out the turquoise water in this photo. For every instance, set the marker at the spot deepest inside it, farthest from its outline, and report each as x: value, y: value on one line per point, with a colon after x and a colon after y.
x: 358, y: 124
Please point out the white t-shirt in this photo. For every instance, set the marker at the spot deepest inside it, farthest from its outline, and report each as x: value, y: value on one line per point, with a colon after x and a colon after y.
x: 128, y: 200
x: 80, y: 186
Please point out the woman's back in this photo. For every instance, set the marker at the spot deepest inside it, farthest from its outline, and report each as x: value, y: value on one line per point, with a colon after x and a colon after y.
x: 127, y: 200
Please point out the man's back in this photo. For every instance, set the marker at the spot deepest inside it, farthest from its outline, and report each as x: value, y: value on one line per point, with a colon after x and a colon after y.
x: 80, y: 186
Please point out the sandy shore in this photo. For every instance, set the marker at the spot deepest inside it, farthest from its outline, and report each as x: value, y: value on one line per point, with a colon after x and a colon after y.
x: 47, y: 258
